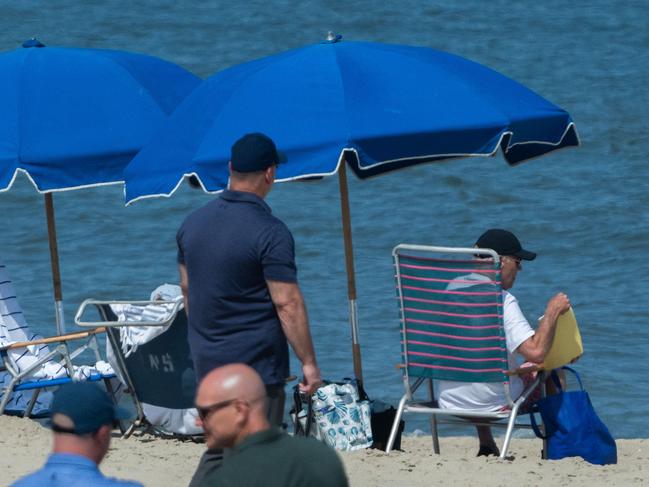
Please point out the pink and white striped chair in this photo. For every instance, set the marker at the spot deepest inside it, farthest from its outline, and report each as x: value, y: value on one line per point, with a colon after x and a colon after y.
x: 450, y: 303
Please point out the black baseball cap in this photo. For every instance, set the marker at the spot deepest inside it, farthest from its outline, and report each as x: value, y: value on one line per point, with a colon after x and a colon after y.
x: 82, y: 407
x: 503, y: 242
x: 255, y: 152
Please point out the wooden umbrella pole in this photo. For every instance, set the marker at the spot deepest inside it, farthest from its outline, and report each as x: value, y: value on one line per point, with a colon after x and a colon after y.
x: 349, y: 263
x: 54, y: 259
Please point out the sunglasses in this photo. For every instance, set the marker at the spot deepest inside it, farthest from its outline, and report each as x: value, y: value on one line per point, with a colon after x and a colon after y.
x: 205, y: 411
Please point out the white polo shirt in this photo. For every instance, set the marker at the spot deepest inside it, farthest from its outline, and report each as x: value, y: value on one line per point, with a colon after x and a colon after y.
x: 489, y: 396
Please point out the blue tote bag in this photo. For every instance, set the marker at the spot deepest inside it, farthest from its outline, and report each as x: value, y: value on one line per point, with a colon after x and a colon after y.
x: 572, y: 428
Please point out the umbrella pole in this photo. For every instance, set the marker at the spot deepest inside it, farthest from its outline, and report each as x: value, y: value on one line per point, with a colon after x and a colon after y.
x: 349, y: 263
x: 54, y: 259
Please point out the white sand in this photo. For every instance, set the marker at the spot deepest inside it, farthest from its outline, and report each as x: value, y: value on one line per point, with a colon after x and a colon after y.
x: 24, y: 446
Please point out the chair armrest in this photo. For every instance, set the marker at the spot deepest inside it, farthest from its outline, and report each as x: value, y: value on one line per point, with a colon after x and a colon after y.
x: 55, y: 339
x: 528, y: 369
x: 93, y: 302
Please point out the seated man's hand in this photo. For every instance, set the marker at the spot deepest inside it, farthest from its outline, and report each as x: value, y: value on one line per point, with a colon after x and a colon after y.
x: 559, y: 304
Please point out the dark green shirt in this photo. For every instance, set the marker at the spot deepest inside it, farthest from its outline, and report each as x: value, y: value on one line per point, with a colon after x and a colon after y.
x: 272, y: 458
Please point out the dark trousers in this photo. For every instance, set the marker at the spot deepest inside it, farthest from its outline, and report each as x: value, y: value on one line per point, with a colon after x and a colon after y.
x: 212, y: 459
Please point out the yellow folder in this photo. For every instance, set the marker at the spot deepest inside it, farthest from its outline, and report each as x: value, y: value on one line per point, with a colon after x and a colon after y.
x: 566, y: 345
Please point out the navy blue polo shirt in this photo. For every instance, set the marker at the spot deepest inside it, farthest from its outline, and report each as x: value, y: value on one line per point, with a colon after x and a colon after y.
x: 230, y: 247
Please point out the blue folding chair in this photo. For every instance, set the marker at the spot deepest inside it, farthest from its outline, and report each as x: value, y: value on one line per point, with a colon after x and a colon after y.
x: 160, y: 372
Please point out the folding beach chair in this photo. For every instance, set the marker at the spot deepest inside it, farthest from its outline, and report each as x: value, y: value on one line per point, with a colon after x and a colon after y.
x: 160, y: 372
x: 61, y: 352
x: 22, y: 356
x: 450, y: 303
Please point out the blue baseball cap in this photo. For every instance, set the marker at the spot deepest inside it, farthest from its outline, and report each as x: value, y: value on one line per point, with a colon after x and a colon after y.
x: 82, y: 407
x: 255, y: 152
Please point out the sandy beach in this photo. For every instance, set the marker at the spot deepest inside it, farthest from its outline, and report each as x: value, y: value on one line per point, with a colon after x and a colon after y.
x: 25, y: 444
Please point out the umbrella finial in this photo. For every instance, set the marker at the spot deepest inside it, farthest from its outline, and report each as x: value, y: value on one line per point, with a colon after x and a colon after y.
x: 33, y: 42
x: 332, y: 37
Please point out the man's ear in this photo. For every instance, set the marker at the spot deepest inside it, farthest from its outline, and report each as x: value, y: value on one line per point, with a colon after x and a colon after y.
x: 104, y: 433
x: 270, y: 174
x: 243, y: 411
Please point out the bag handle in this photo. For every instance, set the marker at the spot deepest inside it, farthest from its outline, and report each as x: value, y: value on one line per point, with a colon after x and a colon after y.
x: 570, y: 369
x: 362, y: 395
x: 297, y: 398
x: 557, y: 383
x: 536, y: 429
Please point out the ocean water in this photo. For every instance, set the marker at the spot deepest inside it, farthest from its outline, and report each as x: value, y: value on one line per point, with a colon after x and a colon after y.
x: 585, y: 211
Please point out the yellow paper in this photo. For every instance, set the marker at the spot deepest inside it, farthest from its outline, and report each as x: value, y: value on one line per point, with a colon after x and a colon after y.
x: 566, y: 345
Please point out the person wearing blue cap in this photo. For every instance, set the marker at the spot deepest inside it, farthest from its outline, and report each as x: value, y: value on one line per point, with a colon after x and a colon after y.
x: 239, y: 280
x: 82, y: 421
x: 521, y: 338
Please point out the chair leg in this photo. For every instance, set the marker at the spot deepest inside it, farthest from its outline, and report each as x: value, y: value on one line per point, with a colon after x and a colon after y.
x: 113, y: 395
x: 510, y: 430
x: 395, y: 425
x: 110, y: 390
x: 434, y: 433
x: 32, y: 403
x: 5, y: 399
x: 129, y: 430
x: 6, y: 395
x: 544, y: 393
x: 433, y: 419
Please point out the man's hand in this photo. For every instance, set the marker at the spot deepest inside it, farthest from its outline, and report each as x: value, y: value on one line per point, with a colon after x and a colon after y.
x: 558, y: 305
x: 311, y: 380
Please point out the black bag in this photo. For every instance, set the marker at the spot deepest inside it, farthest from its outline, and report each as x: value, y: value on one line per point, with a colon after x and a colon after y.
x: 382, y: 420
x: 301, y: 413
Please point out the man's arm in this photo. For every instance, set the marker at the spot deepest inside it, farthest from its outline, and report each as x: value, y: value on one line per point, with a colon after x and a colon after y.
x: 535, y: 348
x: 291, y: 310
x: 184, y: 286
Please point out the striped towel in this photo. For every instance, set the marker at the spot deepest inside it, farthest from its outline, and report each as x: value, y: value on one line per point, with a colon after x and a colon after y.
x: 133, y: 336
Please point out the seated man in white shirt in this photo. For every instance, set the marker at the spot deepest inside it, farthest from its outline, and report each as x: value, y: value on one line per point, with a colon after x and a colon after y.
x: 521, y: 339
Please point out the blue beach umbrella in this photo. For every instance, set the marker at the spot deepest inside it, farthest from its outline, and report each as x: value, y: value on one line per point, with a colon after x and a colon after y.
x: 375, y: 107
x: 73, y: 118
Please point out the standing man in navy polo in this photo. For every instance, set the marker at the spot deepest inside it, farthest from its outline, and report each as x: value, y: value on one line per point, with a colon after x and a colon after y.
x: 239, y: 281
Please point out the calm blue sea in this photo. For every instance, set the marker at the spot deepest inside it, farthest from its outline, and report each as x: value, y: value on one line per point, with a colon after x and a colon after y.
x: 585, y: 211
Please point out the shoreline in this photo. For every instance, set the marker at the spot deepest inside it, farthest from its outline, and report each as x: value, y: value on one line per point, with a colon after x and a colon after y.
x: 25, y: 444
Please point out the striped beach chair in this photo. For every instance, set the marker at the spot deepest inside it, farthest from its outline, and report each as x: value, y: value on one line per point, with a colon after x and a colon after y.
x: 30, y: 363
x: 450, y: 303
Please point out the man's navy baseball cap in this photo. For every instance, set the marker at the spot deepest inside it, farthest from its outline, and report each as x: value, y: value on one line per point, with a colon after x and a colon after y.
x: 504, y: 243
x: 81, y: 408
x: 255, y: 152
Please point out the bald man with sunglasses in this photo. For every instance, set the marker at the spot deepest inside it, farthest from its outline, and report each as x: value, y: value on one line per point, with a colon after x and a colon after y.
x: 231, y: 403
